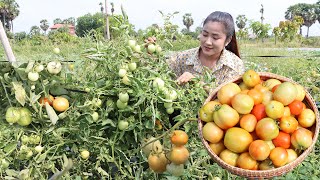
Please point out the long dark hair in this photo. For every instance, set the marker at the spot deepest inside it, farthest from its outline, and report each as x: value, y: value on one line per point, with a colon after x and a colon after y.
x: 227, y: 20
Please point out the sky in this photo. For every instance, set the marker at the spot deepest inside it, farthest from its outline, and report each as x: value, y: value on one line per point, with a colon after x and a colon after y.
x: 143, y: 13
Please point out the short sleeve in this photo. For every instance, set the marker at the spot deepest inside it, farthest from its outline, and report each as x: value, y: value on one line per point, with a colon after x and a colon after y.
x: 173, y: 62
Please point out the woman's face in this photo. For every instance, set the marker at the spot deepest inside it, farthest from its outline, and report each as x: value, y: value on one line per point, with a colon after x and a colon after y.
x: 213, y: 38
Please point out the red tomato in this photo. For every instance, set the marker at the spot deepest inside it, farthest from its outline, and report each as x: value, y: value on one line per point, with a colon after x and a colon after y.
x: 248, y: 122
x: 282, y: 140
x: 259, y: 150
x: 259, y: 111
x: 296, y: 107
x: 48, y: 99
x: 274, y: 88
x: 242, y: 138
x: 267, y: 129
x: 279, y: 156
x: 245, y: 161
x: 288, y: 124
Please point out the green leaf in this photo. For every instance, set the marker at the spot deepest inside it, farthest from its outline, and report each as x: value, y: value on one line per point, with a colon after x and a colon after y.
x: 20, y: 92
x: 123, y: 156
x: 41, y: 158
x: 10, y: 147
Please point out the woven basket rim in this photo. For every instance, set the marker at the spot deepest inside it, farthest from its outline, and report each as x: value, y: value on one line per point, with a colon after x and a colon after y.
x: 262, y: 173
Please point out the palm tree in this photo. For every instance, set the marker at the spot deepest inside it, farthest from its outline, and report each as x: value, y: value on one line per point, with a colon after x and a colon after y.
x: 112, y: 8
x: 57, y: 21
x: 34, y: 30
x: 44, y: 25
x: 9, y: 10
x: 261, y: 11
x: 241, y: 21
x: 187, y: 21
x: 101, y: 7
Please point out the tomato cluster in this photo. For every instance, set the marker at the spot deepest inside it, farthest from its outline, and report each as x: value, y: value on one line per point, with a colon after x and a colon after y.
x: 171, y: 161
x: 257, y: 124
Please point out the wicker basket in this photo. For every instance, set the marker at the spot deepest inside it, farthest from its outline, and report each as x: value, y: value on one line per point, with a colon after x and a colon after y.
x: 263, y: 173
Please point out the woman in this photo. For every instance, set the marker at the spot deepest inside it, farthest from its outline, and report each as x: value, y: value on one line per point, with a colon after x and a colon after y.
x: 218, y: 52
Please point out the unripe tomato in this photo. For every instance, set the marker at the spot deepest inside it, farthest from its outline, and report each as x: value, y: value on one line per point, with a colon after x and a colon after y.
x: 207, y: 110
x: 137, y: 48
x: 225, y: 117
x: 158, y: 49
x: 123, y: 97
x: 85, y: 154
x: 25, y: 117
x: 38, y: 148
x: 285, y: 93
x: 292, y: 155
x: 95, y: 116
x: 217, y: 148
x: 158, y: 83
x: 12, y: 115
x: 229, y: 157
x: 270, y: 83
x: 151, y: 48
x: 179, y: 138
x: 121, y: 105
x: 239, y: 135
x: 242, y: 103
x: 301, y: 92
x: 301, y: 138
x: 170, y: 110
x: 266, y: 165
x: 179, y: 155
x: 4, y: 164
x: 132, y: 66
x: 132, y: 43
x: 126, y: 80
x: 175, y: 170
x: 56, y: 50
x: 39, y: 68
x: 33, y: 76
x: 274, y: 109
x: 54, y: 67
x: 155, y: 146
x: 60, y: 104
x: 123, y: 125
x: 122, y: 73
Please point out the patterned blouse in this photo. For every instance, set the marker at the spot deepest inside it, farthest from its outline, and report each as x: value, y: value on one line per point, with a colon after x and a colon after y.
x: 228, y: 66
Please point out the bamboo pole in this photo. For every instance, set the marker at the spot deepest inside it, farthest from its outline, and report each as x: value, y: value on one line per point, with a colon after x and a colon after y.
x: 6, y: 45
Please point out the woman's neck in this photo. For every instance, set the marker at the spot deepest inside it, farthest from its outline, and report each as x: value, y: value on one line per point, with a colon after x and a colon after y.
x: 208, y: 61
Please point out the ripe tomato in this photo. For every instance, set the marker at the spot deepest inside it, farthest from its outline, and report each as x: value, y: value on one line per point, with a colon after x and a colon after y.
x: 212, y: 133
x: 296, y: 107
x: 245, y: 161
x: 157, y: 162
x: 242, y: 138
x: 288, y: 124
x: 256, y: 95
x: 179, y: 138
x: 229, y: 157
x: 267, y: 129
x: 301, y: 138
x: 242, y: 103
x: 226, y: 93
x: 292, y: 155
x: 301, y: 92
x: 259, y: 150
x: 48, y: 99
x: 217, y: 148
x: 259, y: 111
x: 251, y: 78
x: 274, y: 109
x: 286, y: 111
x: 248, y: 122
x: 60, y: 104
x: 282, y: 140
x: 179, y: 155
x: 279, y: 156
x: 285, y: 93
x: 206, y: 111
x: 225, y: 117
x: 261, y: 88
x: 270, y: 83
x: 307, y: 118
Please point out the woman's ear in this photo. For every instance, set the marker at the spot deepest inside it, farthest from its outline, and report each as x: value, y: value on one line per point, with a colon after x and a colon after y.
x: 228, y: 41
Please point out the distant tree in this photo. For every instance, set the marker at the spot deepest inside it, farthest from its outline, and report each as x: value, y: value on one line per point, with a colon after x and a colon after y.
x: 34, y: 30
x: 288, y: 30
x: 20, y: 36
x: 276, y: 32
x: 262, y: 11
x: 101, y: 7
x: 241, y: 21
x: 70, y: 20
x: 259, y: 29
x: 198, y: 30
x: 112, y: 8
x: 90, y: 22
x: 44, y: 25
x: 187, y: 21
x: 307, y: 11
x: 317, y: 7
x: 9, y: 10
x: 57, y: 21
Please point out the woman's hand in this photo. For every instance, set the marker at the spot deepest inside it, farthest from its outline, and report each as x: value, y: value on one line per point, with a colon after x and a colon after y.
x: 185, y: 77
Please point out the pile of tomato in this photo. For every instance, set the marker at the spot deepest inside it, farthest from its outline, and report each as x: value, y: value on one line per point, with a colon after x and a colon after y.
x: 257, y: 124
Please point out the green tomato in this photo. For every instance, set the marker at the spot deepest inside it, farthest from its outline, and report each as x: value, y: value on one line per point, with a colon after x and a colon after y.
x: 25, y: 139
x: 87, y: 89
x: 110, y: 103
x: 34, y: 139
x: 151, y: 48
x: 158, y: 49
x: 85, y: 154
x: 122, y: 72
x: 137, y: 49
x: 121, y: 105
x: 123, y: 97
x: 4, y: 164
x: 167, y: 104
x: 158, y: 83
x: 172, y: 95
x: 175, y: 170
x: 170, y: 110
x: 39, y: 68
x: 54, y: 67
x: 96, y: 102
x: 25, y: 117
x: 132, y: 66
x: 56, y: 50
x: 33, y: 76
x: 123, y: 125
x: 38, y: 148
x: 95, y: 116
x: 12, y: 115
x: 126, y: 80
x: 132, y: 43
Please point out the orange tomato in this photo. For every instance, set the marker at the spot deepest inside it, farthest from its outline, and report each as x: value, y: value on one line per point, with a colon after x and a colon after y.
x: 212, y: 133
x: 282, y: 140
x: 259, y: 150
x: 179, y: 138
x: 60, y: 104
x: 296, y: 107
x: 248, y: 122
x: 245, y: 161
x: 256, y: 95
x: 226, y: 93
x: 157, y: 162
x: 307, y: 118
x: 259, y: 111
x: 288, y: 124
x: 179, y: 155
x: 251, y: 78
x: 217, y: 148
x: 279, y: 156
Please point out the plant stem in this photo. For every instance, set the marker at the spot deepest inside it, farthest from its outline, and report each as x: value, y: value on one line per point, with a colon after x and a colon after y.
x: 4, y: 87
